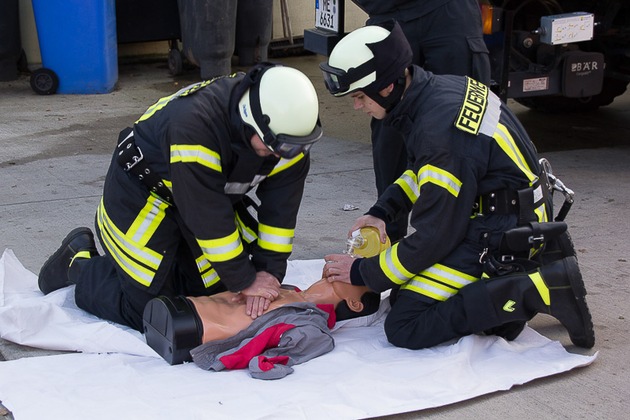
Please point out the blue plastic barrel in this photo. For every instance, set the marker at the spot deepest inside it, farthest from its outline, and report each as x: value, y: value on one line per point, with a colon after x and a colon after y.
x: 77, y: 40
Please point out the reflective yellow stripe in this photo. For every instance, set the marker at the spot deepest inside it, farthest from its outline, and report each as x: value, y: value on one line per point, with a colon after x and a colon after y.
x: 439, y: 177
x: 275, y: 238
x: 392, y: 267
x: 439, y: 282
x: 246, y: 232
x: 209, y: 276
x: 80, y: 254
x: 140, y: 263
x: 186, y: 153
x: 409, y: 184
x: 285, y: 164
x: 541, y: 213
x: 222, y: 249
x: 506, y: 142
x: 162, y: 102
x: 147, y: 221
x: 542, y: 288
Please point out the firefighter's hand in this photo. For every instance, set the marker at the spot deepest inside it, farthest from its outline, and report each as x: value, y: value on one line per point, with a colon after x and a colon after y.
x: 367, y: 220
x: 261, y: 293
x: 337, y: 267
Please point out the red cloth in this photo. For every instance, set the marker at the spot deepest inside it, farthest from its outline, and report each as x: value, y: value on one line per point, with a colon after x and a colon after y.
x: 332, y: 316
x: 267, y: 363
x: 265, y: 340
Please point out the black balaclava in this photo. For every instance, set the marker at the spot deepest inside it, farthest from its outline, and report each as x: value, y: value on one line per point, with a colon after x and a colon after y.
x: 392, y: 56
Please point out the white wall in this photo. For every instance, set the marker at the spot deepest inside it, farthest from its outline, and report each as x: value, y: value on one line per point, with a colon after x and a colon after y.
x: 301, y: 15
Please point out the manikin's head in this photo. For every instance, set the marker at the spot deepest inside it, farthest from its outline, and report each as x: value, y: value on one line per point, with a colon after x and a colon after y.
x: 350, y: 301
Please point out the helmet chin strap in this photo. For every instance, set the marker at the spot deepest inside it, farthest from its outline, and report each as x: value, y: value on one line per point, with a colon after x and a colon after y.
x: 390, y: 101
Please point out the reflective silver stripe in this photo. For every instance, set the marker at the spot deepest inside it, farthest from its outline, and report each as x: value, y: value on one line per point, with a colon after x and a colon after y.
x: 391, y: 266
x: 222, y: 249
x: 434, y: 291
x: 449, y: 276
x: 186, y: 153
x: 275, y: 238
x: 236, y: 187
x: 492, y: 115
x: 127, y: 256
x: 242, y: 187
x: 147, y: 221
x: 246, y: 233
x: 258, y: 179
x: 208, y: 274
x: 210, y: 278
x: 409, y: 184
x: 439, y: 177
x: 540, y: 212
x: 439, y: 282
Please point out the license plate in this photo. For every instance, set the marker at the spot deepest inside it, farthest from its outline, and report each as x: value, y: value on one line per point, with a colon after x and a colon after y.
x: 327, y: 15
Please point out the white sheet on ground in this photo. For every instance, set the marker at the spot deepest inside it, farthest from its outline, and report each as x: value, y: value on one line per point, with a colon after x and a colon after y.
x: 117, y: 375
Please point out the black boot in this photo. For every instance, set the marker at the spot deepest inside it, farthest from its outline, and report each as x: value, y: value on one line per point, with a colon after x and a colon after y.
x: 510, y: 331
x: 54, y: 273
x: 556, y: 289
x: 172, y: 328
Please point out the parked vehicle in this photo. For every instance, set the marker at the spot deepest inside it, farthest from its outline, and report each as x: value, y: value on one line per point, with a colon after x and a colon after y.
x: 558, y: 55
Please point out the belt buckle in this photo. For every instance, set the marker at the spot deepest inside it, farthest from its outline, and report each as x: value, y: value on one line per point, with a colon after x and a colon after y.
x: 136, y: 159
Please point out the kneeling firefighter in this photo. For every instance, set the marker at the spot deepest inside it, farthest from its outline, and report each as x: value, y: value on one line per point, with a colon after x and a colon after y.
x: 176, y: 217
x: 484, y: 256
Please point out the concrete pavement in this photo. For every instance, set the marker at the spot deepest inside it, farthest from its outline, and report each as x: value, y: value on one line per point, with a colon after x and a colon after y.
x: 55, y: 151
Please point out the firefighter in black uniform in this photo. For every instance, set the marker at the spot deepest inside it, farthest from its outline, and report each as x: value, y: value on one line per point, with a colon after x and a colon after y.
x: 176, y: 217
x: 473, y: 180
x: 446, y: 38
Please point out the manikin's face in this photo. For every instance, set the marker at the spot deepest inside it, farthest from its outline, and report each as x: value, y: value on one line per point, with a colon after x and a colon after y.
x: 333, y: 293
x: 259, y: 147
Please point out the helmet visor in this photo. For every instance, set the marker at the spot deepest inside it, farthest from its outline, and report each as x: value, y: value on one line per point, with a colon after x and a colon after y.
x: 338, y: 81
x: 288, y: 146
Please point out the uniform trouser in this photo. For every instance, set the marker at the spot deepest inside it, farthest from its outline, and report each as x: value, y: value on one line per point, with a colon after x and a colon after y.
x: 417, y: 320
x: 502, y: 303
x: 104, y: 288
x: 446, y: 41
x: 104, y: 292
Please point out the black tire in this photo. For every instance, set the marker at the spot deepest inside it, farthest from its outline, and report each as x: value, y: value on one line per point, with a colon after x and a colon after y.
x: 175, y: 62
x: 559, y: 104
x: 44, y: 81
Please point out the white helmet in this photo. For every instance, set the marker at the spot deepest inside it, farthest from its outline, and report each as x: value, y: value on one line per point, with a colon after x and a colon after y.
x: 367, y: 59
x: 281, y: 105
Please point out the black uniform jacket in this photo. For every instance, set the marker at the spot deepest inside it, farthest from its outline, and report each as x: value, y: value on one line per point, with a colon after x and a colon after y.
x: 195, y: 141
x: 462, y: 143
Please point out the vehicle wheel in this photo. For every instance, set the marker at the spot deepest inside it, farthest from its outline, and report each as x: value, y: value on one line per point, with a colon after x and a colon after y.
x: 44, y: 81
x: 559, y: 104
x: 175, y: 62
